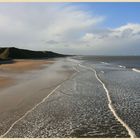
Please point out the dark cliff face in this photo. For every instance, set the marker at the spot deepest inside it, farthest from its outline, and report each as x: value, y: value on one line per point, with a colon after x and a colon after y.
x: 15, y: 53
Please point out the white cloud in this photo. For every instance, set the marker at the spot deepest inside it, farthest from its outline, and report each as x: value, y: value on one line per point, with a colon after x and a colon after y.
x: 134, y: 27
x: 123, y: 39
x: 9, y: 26
x: 89, y: 37
x: 34, y: 26
x: 64, y: 28
x: 69, y: 23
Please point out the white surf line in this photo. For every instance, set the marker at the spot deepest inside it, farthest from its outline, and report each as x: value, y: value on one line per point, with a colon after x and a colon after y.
x: 29, y: 111
x: 136, y: 70
x: 104, y: 63
x: 121, y: 66
x: 76, y: 69
x: 130, y: 131
x: 35, y: 106
x: 102, y: 71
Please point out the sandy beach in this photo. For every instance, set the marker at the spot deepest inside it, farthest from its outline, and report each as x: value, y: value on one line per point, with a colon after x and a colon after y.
x: 18, y: 98
x: 5, y: 81
x: 18, y: 66
x: 24, y: 65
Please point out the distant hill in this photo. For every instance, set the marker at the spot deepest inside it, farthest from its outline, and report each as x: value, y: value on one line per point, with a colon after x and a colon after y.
x: 16, y: 53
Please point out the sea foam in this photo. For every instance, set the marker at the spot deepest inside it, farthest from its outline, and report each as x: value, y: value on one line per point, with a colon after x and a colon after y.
x: 136, y: 70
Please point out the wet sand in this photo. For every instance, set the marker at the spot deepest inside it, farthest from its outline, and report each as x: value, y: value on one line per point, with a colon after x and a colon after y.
x: 23, y: 65
x: 8, y: 71
x: 17, y: 99
x: 5, y: 82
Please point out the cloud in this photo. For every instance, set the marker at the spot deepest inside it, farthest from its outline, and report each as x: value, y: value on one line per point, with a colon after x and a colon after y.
x: 52, y: 42
x: 117, y: 40
x: 69, y: 23
x: 33, y: 25
x: 64, y: 28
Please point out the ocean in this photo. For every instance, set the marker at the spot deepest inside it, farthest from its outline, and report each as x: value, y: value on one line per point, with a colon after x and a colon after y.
x: 121, y: 61
x: 121, y: 78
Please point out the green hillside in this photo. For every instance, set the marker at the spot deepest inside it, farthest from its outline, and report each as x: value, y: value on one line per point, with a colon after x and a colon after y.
x: 15, y: 53
x: 4, y: 54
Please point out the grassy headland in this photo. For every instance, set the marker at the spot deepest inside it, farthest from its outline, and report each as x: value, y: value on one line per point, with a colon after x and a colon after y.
x: 15, y: 53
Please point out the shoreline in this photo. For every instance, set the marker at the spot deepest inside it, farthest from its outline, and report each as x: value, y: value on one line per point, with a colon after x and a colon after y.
x: 16, y: 100
x: 6, y: 82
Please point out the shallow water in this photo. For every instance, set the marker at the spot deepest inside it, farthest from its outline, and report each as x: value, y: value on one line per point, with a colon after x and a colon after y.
x: 124, y: 89
x: 79, y: 107
x: 123, y: 85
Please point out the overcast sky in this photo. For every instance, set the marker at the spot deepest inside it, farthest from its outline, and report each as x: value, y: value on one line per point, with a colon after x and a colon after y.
x: 72, y: 28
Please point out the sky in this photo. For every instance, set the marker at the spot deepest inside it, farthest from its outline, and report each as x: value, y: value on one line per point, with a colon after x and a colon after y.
x: 72, y: 28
